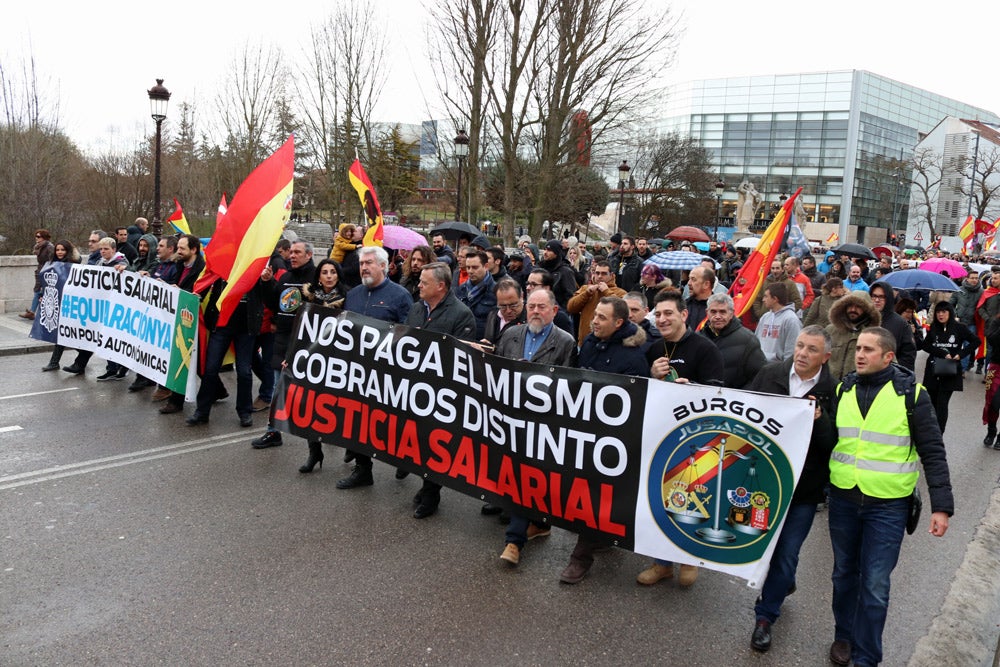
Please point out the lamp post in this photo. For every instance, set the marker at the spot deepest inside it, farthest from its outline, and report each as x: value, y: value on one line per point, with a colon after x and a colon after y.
x: 720, y: 187
x: 159, y: 97
x: 461, y: 152
x: 623, y: 170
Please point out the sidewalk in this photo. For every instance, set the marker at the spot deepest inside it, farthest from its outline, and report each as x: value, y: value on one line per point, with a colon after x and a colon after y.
x: 14, y: 337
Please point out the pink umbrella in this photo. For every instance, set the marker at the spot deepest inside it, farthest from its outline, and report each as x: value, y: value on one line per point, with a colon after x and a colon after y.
x: 398, y: 237
x: 944, y: 265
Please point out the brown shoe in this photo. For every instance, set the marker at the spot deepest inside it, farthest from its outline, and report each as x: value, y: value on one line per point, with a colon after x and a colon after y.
x: 840, y: 652
x: 259, y: 405
x: 171, y: 408
x: 534, y: 531
x: 161, y: 393
x: 28, y: 315
x: 511, y: 554
x: 655, y: 573
x: 574, y: 572
x: 689, y: 574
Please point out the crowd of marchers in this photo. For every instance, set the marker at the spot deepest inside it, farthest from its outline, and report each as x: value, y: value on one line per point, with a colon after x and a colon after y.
x: 833, y: 333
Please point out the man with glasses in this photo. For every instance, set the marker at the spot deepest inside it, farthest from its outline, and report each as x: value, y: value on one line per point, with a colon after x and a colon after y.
x: 884, y: 300
x: 584, y: 302
x: 95, y: 253
x: 540, y: 279
x: 509, y: 311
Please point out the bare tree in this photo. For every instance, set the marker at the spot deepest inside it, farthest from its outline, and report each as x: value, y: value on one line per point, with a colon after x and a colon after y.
x: 601, y: 56
x: 926, y: 169
x: 247, y: 105
x: 338, y: 90
x: 675, y: 178
x: 982, y: 184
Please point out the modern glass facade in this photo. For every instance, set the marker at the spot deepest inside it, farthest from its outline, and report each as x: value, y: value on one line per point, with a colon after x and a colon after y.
x: 840, y: 135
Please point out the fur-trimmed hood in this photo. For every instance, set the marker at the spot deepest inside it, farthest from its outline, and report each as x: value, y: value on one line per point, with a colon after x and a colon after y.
x: 838, y: 311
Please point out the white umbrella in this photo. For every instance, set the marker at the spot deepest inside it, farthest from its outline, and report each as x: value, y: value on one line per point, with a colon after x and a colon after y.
x: 748, y: 242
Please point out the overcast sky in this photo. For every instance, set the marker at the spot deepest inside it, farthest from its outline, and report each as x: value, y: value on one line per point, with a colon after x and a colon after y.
x: 99, y: 58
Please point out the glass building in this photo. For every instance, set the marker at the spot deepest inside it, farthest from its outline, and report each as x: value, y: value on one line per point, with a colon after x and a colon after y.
x: 842, y: 136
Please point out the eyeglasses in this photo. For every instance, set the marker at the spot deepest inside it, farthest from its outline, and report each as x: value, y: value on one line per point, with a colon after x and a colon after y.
x: 508, y: 306
x: 878, y: 297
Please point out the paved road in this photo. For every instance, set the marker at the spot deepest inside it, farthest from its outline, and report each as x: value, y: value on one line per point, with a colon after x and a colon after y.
x: 128, y: 538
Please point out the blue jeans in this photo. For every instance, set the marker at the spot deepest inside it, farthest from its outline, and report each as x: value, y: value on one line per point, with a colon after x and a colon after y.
x: 517, y: 530
x: 866, y: 539
x: 970, y: 359
x: 218, y: 345
x: 36, y: 296
x: 784, y: 561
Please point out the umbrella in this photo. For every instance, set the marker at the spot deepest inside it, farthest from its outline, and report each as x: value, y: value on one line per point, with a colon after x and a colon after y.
x: 701, y: 245
x: 943, y: 264
x: 920, y: 280
x: 883, y: 249
x: 455, y: 229
x: 854, y: 250
x: 398, y: 237
x: 749, y: 242
x: 677, y: 260
x: 688, y: 233
x: 912, y: 251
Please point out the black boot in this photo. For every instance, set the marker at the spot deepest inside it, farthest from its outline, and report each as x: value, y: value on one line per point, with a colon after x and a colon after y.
x: 358, y: 477
x: 991, y: 434
x: 315, y: 456
x: 53, y: 364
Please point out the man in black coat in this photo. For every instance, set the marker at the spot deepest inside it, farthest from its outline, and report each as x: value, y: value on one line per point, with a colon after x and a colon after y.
x: 742, y: 357
x: 440, y: 311
x: 884, y: 300
x: 805, y: 374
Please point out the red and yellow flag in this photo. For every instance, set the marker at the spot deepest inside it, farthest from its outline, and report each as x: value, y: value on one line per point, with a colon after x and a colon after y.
x: 245, y: 237
x: 366, y: 193
x: 832, y: 238
x: 751, y: 277
x: 177, y: 219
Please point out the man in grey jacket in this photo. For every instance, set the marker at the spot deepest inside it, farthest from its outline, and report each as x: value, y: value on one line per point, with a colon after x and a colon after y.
x: 779, y: 326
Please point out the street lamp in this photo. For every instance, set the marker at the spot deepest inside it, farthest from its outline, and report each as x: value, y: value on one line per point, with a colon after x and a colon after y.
x: 720, y: 187
x: 159, y: 97
x: 623, y: 170
x: 461, y: 152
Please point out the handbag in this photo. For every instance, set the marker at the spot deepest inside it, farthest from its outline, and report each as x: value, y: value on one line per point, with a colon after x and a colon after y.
x: 913, y: 517
x: 945, y: 368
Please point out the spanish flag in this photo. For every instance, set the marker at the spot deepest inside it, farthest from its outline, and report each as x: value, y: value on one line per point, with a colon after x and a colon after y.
x: 967, y: 231
x: 177, y: 219
x: 832, y: 238
x: 751, y: 277
x: 366, y: 193
x: 245, y: 237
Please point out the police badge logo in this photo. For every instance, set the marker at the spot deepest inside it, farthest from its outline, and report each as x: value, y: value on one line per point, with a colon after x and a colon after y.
x: 718, y: 485
x: 48, y: 304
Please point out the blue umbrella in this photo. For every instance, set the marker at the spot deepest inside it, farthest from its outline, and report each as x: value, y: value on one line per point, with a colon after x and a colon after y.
x: 677, y: 260
x: 919, y: 279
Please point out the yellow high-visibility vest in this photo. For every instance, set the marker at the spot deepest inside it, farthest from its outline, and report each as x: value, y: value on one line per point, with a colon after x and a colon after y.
x: 875, y: 452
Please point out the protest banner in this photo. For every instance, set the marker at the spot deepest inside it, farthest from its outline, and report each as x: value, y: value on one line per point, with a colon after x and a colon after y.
x: 144, y: 324
x: 689, y: 473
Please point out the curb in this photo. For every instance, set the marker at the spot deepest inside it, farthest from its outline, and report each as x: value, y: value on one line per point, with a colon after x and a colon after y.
x: 25, y: 349
x: 965, y: 631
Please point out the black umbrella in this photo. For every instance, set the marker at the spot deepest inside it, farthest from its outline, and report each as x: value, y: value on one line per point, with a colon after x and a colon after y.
x: 854, y: 250
x: 455, y: 229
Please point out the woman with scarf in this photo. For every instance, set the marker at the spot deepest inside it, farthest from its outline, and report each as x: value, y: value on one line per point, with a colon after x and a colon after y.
x: 327, y: 290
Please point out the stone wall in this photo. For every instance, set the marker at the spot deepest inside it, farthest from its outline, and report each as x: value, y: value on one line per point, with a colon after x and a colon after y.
x: 17, y: 279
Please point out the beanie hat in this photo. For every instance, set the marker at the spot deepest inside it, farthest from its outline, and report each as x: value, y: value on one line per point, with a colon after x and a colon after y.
x: 616, y: 238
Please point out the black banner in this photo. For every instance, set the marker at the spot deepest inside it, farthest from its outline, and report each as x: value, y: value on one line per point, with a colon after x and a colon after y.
x: 549, y: 442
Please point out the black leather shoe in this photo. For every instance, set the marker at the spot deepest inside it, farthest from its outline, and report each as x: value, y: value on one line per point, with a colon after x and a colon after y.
x: 107, y: 375
x: 840, y: 652
x: 348, y: 456
x: 74, y: 369
x: 490, y: 510
x: 269, y: 439
x: 246, y: 420
x: 358, y: 477
x: 417, y: 499
x: 51, y: 366
x: 425, y: 510
x: 196, y: 419
x: 760, y: 640
x: 401, y: 474
x: 991, y: 434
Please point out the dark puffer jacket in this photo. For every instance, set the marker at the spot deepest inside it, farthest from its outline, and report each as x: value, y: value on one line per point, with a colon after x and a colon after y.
x: 742, y: 357
x: 622, y: 353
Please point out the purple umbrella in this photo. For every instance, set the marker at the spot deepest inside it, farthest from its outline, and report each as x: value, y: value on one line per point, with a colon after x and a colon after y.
x: 398, y: 237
